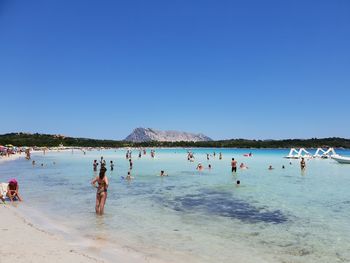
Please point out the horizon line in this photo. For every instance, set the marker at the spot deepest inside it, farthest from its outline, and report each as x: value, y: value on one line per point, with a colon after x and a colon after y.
x: 79, y: 137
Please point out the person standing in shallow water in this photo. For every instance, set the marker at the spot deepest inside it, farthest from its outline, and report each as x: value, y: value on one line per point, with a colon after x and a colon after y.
x: 101, y: 194
x: 302, y: 164
x: 233, y: 165
x: 130, y: 164
x: 95, y: 164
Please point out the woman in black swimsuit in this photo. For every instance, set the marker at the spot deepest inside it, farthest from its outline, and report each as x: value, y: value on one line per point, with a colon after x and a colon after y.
x: 101, y: 194
x: 302, y: 164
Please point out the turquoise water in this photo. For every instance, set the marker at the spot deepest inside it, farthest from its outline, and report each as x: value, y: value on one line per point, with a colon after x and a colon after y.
x: 283, y: 215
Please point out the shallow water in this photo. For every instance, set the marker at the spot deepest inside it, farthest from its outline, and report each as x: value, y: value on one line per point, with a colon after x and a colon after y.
x: 283, y: 215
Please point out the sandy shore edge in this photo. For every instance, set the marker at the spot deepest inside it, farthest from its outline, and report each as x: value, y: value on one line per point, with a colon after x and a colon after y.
x: 26, y: 242
x: 23, y: 242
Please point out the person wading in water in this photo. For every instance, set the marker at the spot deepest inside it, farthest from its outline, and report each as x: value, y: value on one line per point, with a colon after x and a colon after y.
x: 101, y: 194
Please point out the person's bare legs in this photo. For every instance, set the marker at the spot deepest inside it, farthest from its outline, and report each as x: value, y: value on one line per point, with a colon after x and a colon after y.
x: 98, y: 201
x: 103, y: 202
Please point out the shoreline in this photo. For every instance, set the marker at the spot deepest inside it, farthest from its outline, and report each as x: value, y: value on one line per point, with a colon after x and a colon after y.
x: 98, y: 248
x: 40, y: 240
x: 33, y: 244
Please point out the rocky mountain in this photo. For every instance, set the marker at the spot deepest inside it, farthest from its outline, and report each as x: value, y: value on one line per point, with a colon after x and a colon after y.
x: 148, y: 134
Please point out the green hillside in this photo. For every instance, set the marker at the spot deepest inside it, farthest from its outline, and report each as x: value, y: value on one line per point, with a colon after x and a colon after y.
x: 36, y: 139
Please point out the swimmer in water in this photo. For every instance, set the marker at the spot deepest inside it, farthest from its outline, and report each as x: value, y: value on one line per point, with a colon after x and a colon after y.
x: 162, y: 173
x: 243, y: 166
x: 238, y: 182
x: 209, y: 166
x: 199, y: 167
x: 33, y: 162
x: 112, y: 165
x: 270, y: 167
x: 129, y: 177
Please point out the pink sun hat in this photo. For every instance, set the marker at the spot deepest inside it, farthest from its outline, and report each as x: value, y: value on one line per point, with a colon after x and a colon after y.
x: 13, y: 181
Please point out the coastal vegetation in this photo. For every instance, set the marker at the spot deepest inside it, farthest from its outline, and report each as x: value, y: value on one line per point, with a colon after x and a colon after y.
x: 48, y: 140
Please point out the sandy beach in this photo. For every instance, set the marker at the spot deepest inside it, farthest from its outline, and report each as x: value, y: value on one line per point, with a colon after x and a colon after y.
x: 26, y: 242
x: 23, y: 242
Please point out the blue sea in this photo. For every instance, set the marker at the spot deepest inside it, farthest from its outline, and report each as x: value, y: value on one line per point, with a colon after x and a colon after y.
x: 279, y: 215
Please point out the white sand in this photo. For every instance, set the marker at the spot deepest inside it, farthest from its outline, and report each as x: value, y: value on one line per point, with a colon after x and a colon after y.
x: 23, y: 242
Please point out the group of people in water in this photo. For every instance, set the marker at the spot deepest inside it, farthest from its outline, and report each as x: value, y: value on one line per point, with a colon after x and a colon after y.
x: 103, y: 164
x: 190, y: 156
x: 302, y: 165
x: 100, y: 181
x: 242, y: 166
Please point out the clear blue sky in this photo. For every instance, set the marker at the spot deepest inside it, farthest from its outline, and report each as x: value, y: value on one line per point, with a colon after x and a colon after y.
x: 247, y: 69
